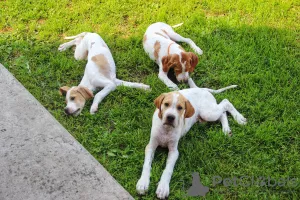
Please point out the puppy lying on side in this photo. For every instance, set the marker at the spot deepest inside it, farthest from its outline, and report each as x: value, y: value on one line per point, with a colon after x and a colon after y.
x: 100, y: 72
x: 175, y: 114
x: 159, y: 44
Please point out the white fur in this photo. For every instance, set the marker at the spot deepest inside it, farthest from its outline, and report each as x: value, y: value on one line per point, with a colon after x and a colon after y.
x: 166, y: 43
x: 92, y: 78
x: 206, y: 108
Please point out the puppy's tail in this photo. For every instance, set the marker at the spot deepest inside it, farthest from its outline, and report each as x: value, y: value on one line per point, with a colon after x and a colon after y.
x: 76, y: 36
x: 177, y: 25
x: 132, y: 84
x: 220, y: 90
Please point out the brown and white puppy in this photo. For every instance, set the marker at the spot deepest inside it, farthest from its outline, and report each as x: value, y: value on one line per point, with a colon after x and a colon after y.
x: 175, y: 114
x: 100, y: 72
x: 159, y: 44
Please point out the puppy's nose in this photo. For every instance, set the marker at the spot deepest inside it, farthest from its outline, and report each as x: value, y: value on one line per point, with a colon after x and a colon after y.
x: 67, y: 111
x: 170, y: 118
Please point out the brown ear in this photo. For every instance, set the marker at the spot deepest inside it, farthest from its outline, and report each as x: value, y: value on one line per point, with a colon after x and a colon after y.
x: 63, y: 90
x: 158, y: 102
x: 169, y: 61
x: 189, y: 109
x: 194, y: 61
x: 86, y: 93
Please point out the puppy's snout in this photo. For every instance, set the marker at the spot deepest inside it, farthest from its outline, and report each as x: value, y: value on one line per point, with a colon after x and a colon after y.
x: 67, y: 111
x: 170, y: 118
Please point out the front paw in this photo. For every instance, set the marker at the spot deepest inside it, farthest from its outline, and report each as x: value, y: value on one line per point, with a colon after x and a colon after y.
x: 62, y: 47
x: 146, y: 87
x: 198, y: 51
x: 241, y: 119
x: 94, y: 109
x: 142, y: 185
x: 162, y: 190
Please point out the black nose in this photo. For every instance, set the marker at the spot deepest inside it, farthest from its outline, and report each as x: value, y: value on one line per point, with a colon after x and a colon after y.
x: 67, y: 111
x: 170, y: 118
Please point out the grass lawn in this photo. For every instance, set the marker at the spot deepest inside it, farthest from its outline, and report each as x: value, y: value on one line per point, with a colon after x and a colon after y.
x: 254, y: 44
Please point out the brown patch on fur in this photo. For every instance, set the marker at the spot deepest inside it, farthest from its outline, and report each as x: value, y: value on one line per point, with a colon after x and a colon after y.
x: 191, y: 60
x: 80, y: 95
x: 157, y: 33
x: 158, y: 101
x: 183, y: 105
x: 156, y: 49
x: 145, y: 38
x: 102, y: 64
x: 172, y: 61
x: 63, y: 90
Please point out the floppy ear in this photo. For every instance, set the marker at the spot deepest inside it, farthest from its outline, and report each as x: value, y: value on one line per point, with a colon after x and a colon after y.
x: 189, y: 109
x: 158, y: 102
x: 63, y: 90
x: 85, y: 92
x: 194, y: 61
x: 166, y: 63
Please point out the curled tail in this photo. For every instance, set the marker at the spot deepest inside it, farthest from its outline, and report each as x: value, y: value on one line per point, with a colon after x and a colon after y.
x: 220, y: 90
x: 76, y: 36
x: 177, y: 25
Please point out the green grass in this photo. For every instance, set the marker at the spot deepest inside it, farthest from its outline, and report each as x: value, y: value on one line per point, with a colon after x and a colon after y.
x: 254, y: 44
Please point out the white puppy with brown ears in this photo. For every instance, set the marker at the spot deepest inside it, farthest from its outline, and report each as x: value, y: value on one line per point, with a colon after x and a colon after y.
x: 160, y: 44
x: 175, y: 114
x: 100, y: 72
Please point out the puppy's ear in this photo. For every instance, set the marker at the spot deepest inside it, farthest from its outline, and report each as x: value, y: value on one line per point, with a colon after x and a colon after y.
x: 189, y: 109
x: 166, y: 63
x: 86, y: 93
x: 63, y: 90
x: 193, y: 61
x: 158, y: 102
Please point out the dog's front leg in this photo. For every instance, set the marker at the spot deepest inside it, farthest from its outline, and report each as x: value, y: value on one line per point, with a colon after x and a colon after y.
x: 192, y: 83
x: 143, y: 183
x: 100, y: 96
x: 162, y: 190
x: 164, y: 78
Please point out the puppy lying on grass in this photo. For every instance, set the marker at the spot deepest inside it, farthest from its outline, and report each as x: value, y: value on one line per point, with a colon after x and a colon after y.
x: 176, y: 113
x: 100, y: 72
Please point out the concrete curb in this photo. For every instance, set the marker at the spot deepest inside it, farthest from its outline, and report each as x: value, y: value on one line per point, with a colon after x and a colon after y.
x: 39, y: 159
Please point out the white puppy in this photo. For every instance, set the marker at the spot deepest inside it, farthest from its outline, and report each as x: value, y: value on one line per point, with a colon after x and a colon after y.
x: 175, y: 114
x: 159, y: 44
x: 100, y: 72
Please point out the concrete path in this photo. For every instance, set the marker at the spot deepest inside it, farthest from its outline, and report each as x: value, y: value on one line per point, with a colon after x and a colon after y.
x: 39, y: 159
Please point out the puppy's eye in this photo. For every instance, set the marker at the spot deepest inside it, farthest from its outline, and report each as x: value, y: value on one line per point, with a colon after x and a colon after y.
x: 72, y: 98
x: 179, y: 108
x: 166, y: 104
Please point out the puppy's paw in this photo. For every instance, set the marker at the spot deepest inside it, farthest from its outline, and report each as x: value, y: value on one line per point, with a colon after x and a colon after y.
x: 227, y: 130
x: 62, y: 47
x: 162, y: 190
x: 198, y: 51
x: 146, y: 87
x: 241, y: 119
x: 142, y: 185
x: 94, y: 109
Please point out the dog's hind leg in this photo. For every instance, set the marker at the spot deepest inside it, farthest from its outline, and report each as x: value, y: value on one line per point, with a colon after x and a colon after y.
x: 227, y: 106
x: 178, y: 38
